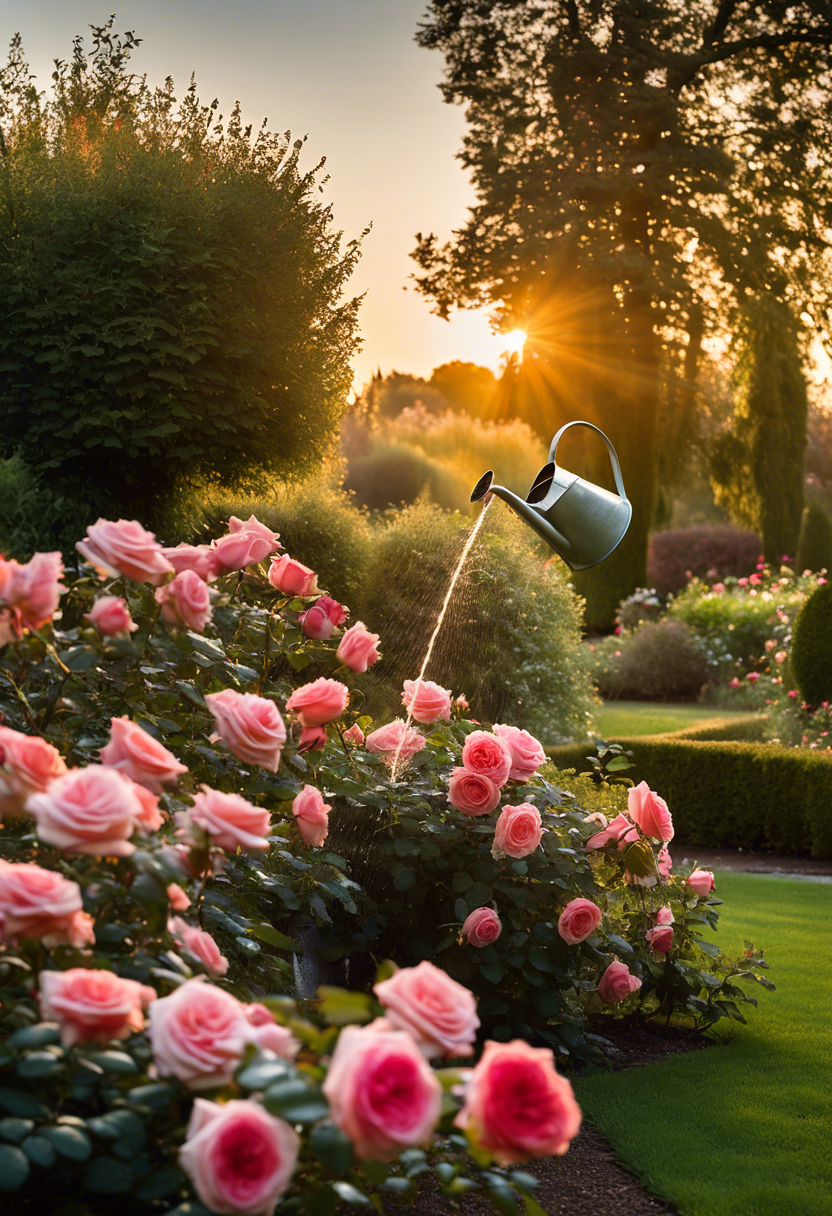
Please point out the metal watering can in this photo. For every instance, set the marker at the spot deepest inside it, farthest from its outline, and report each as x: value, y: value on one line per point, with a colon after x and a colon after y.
x: 582, y: 522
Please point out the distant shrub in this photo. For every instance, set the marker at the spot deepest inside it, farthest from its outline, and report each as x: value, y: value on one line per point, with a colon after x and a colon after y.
x: 706, y: 551
x: 657, y: 661
x: 396, y: 475
x: 38, y: 515
x: 642, y: 605
x: 811, y: 653
x: 814, y: 548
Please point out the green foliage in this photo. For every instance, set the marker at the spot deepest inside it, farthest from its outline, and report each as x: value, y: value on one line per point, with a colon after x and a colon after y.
x: 466, y: 387
x: 172, y: 289
x: 35, y: 514
x: 811, y: 653
x: 394, y: 474
x: 814, y: 547
x: 733, y: 795
x: 658, y: 660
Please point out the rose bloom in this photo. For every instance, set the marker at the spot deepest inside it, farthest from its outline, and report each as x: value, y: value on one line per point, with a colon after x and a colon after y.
x: 518, y: 832
x: 111, y: 616
x: 487, y: 755
x: 291, y: 577
x: 664, y: 863
x: 312, y: 816
x: 436, y: 1011
x: 425, y: 701
x: 527, y: 754
x: 93, y: 1006
x: 150, y: 818
x: 239, y: 1158
x: 354, y: 735
x: 177, y: 898
x: 193, y: 557
x: 269, y: 1035
x: 185, y: 601
x: 88, y: 810
x: 578, y: 920
x: 198, y: 1034
x: 30, y: 764
x: 320, y: 702
x: 395, y: 740
x: 701, y: 882
x: 122, y: 546
x: 660, y: 938
x: 230, y: 821
x: 650, y: 812
x: 312, y: 738
x: 246, y: 543
x: 382, y: 1092
x: 32, y: 590
x: 140, y: 757
x: 472, y: 793
x: 358, y: 648
x: 41, y: 905
x: 200, y: 944
x: 321, y: 619
x: 517, y: 1105
x: 250, y: 726
x: 481, y: 927
x: 617, y: 984
x: 620, y: 830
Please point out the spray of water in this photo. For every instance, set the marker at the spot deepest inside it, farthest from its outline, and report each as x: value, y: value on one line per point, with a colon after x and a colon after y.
x: 454, y: 579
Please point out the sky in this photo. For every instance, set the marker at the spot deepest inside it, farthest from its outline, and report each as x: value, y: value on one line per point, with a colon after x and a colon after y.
x: 349, y: 76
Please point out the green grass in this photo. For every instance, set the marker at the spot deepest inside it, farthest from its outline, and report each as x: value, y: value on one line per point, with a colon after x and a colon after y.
x: 628, y: 719
x: 743, y: 1129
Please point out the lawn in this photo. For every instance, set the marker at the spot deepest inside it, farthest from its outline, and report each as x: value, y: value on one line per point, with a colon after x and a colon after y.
x: 628, y: 719
x: 742, y: 1129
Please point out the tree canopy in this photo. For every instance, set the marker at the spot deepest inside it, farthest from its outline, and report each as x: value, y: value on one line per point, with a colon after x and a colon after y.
x: 172, y: 287
x: 641, y: 167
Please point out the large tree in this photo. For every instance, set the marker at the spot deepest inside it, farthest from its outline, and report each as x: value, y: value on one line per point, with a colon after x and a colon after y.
x: 618, y: 150
x: 171, y: 286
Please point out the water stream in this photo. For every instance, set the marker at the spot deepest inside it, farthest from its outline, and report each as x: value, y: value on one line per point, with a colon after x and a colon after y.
x: 454, y: 579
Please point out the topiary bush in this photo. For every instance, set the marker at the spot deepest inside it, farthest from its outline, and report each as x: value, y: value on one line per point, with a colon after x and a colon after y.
x: 659, y: 660
x: 706, y: 551
x: 814, y: 548
x: 811, y: 653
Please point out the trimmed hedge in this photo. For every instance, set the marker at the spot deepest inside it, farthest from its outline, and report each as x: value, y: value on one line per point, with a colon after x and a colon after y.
x: 732, y: 795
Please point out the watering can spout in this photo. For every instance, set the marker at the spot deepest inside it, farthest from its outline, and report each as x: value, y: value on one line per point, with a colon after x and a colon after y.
x: 582, y: 522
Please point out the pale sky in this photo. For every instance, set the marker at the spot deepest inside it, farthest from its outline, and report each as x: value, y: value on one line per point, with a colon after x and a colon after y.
x: 347, y: 74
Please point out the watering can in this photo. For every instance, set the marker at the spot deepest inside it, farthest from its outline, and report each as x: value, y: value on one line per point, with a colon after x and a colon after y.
x: 582, y: 522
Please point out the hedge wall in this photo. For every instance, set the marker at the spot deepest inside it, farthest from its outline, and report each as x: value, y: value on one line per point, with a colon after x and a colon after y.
x: 733, y: 795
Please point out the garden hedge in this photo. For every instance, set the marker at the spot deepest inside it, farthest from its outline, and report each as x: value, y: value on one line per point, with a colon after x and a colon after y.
x: 732, y: 795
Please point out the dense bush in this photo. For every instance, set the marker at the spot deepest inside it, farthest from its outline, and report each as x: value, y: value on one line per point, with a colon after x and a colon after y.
x: 659, y: 660
x: 394, y: 475
x: 706, y: 551
x: 734, y: 795
x: 37, y: 514
x: 643, y: 605
x: 811, y: 652
x: 814, y: 548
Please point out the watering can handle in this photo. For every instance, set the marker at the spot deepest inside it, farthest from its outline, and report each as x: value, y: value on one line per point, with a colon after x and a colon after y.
x: 616, y: 467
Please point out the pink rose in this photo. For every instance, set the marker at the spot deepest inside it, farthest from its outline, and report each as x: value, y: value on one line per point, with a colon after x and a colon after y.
x: 487, y: 755
x: 518, y: 832
x: 140, y: 757
x: 30, y: 764
x: 245, y: 544
x: 481, y: 927
x: 312, y: 816
x: 382, y: 1092
x: 320, y: 702
x: 292, y: 578
x: 239, y: 1158
x: 250, y: 726
x: 200, y: 944
x: 701, y: 882
x: 395, y: 740
x: 230, y: 821
x: 358, y: 648
x: 425, y: 701
x: 527, y: 754
x: 88, y: 810
x: 660, y: 938
x: 616, y: 983
x: 472, y: 793
x: 177, y: 898
x: 41, y: 905
x: 578, y: 920
x: 320, y: 620
x: 93, y: 1006
x: 198, y: 1034
x: 193, y: 557
x: 123, y: 547
x: 619, y: 830
x: 664, y: 863
x: 150, y: 818
x: 269, y: 1035
x: 436, y: 1011
x: 34, y: 589
x: 186, y: 601
x: 312, y: 738
x: 517, y: 1106
x: 111, y: 616
x: 650, y: 812
x: 354, y: 735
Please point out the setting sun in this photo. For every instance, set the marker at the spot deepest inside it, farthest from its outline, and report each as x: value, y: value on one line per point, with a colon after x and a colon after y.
x: 513, y: 342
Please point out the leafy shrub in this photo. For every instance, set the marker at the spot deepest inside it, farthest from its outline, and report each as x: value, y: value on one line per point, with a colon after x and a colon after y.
x: 814, y: 548
x: 37, y: 514
x: 706, y: 551
x: 811, y: 652
x: 392, y: 475
x: 657, y: 661
x: 642, y: 605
